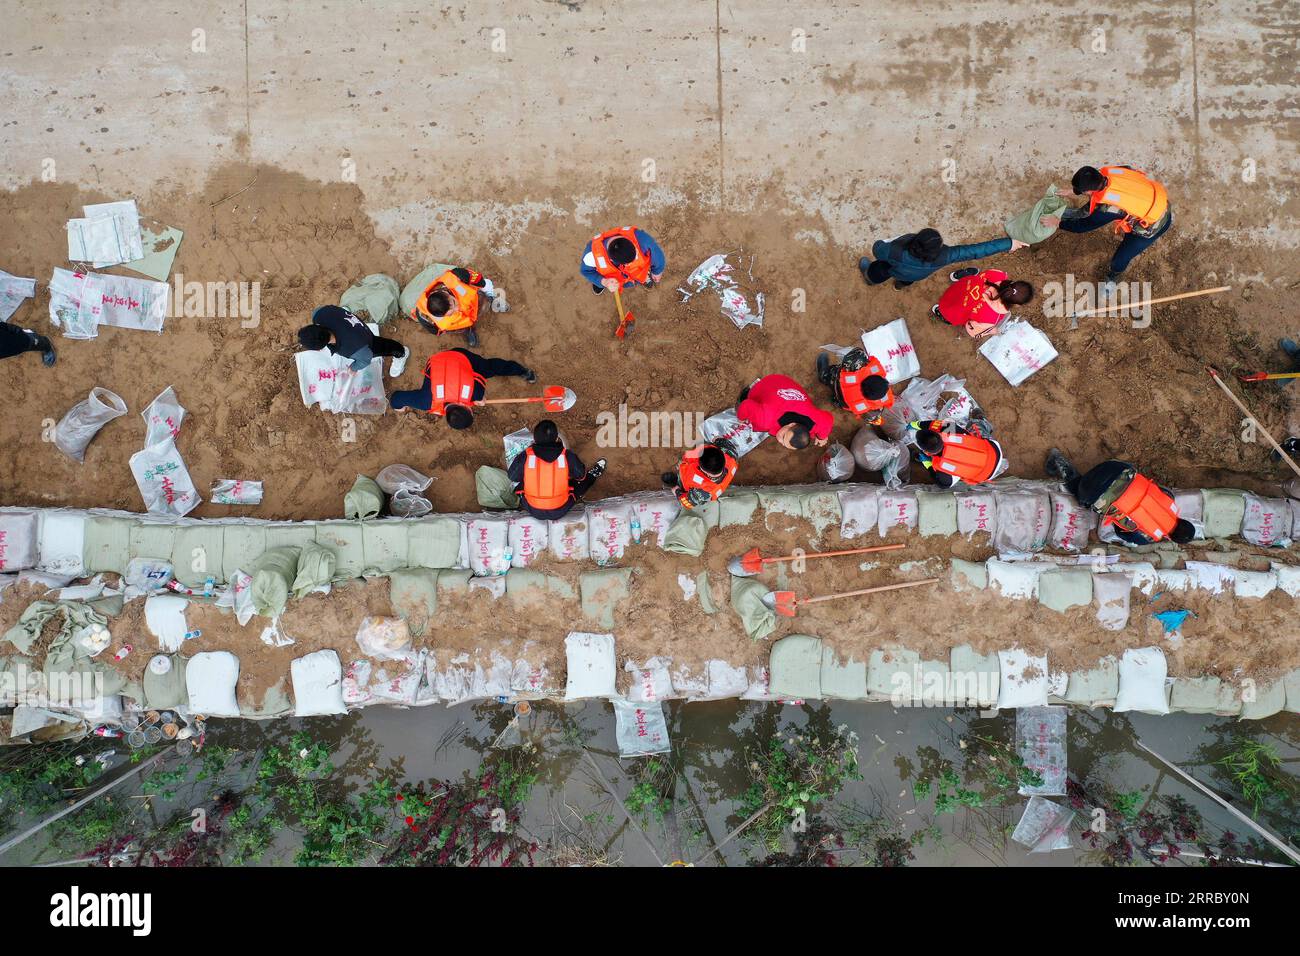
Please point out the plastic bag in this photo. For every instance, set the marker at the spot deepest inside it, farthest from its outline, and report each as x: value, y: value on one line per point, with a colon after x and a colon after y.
x: 1018, y: 350
x: 163, y: 480
x: 84, y: 420
x: 163, y: 417
x: 890, y: 458
x: 395, y: 477
x: 836, y: 464
x: 516, y: 442
x: 386, y: 638
x: 236, y: 491
x: 892, y: 344
x: 726, y: 428
x: 407, y: 504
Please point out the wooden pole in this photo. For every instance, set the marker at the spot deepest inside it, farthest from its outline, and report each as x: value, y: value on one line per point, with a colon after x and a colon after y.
x: 1255, y: 421
x: 876, y: 590
x: 834, y: 554
x: 1167, y: 298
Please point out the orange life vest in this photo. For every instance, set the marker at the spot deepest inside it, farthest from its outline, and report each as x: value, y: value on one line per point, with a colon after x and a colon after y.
x: 691, y: 478
x: 969, y: 457
x: 451, y: 381
x: 851, y: 389
x: 462, y: 315
x: 1144, y: 508
x: 1142, y: 200
x: 546, y: 483
x: 638, y: 270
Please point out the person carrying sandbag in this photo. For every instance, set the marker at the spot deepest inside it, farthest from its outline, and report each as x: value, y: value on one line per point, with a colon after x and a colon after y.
x: 453, y: 303
x: 1141, y: 511
x: 955, y: 454
x: 702, y: 476
x: 337, y: 329
x: 453, y: 380
x: 548, y: 477
x: 978, y: 300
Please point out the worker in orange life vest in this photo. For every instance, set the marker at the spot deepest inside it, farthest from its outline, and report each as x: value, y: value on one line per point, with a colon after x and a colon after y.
x: 453, y: 381
x: 618, y: 258
x: 1141, y: 511
x: 703, y: 474
x: 452, y: 301
x: 858, y: 384
x: 1134, y: 202
x: 956, y: 454
x: 548, y: 477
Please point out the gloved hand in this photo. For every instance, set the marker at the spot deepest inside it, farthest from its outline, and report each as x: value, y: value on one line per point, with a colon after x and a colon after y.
x: 698, y: 496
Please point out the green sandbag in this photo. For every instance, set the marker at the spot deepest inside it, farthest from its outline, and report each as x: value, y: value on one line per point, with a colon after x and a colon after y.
x: 1026, y: 226
x: 152, y: 541
x: 273, y: 577
x: 601, y: 591
x: 1266, y: 702
x: 1224, y: 509
x: 821, y: 508
x: 315, y: 569
x: 376, y: 296
x: 454, y: 579
x: 364, y: 500
x: 843, y: 681
x: 795, y: 668
x: 107, y: 544
x: 780, y: 503
x: 1064, y: 589
x: 687, y: 534
x: 414, y: 593
x: 413, y: 289
x: 197, y: 554
x: 1096, y: 687
x: 1203, y: 695
x: 384, y: 545
x: 975, y: 677
x: 936, y: 513
x: 290, y: 535
x: 494, y: 488
x: 736, y: 509
x: 705, y: 593
x: 162, y: 691
x: 346, y: 541
x: 276, y: 702
x: 747, y: 602
x: 969, y: 575
x: 892, y: 672
x: 241, y: 545
x: 433, y: 543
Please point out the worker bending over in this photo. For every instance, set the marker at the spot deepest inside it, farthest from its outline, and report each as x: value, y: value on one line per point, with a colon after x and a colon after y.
x: 1135, y: 203
x: 858, y: 384
x: 453, y: 381
x: 777, y: 404
x: 452, y: 301
x: 957, y: 454
x: 703, y: 475
x: 621, y: 257
x: 548, y: 477
x: 977, y: 301
x: 915, y: 255
x: 1141, y: 511
x: 337, y: 329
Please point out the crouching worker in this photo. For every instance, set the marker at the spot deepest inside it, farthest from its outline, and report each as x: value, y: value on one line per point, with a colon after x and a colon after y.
x: 778, y: 405
x: 858, y: 384
x: 703, y: 475
x: 451, y: 303
x: 977, y: 301
x: 548, y: 477
x: 957, y: 454
x: 1141, y: 511
x: 453, y: 381
x: 335, y: 328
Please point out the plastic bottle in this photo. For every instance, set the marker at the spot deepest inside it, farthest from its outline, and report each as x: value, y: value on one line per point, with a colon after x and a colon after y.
x: 124, y: 650
x: 636, y: 528
x: 104, y: 731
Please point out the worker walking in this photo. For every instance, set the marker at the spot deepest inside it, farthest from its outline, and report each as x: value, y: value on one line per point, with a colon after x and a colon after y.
x: 858, y: 383
x: 548, y: 477
x: 339, y: 330
x: 978, y: 300
x: 916, y: 255
x: 1141, y: 511
x: 452, y: 302
x: 618, y: 258
x: 703, y: 474
x: 778, y: 405
x: 1134, y: 202
x: 453, y: 381
x: 956, y: 454
x: 15, y: 340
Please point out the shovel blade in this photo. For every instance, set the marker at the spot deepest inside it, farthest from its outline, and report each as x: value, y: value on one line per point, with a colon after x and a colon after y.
x: 557, y: 398
x: 752, y: 561
x: 625, y: 326
x: 782, y: 602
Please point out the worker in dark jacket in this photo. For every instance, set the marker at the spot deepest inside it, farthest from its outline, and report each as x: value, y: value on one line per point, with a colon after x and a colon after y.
x: 913, y: 256
x: 15, y: 340
x: 337, y: 329
x: 548, y: 477
x: 453, y: 381
x: 1141, y: 511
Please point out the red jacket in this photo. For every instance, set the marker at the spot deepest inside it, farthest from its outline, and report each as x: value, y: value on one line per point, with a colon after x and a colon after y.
x: 775, y: 395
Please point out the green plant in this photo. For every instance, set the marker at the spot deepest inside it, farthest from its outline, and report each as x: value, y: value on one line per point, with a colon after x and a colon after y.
x: 1256, y: 769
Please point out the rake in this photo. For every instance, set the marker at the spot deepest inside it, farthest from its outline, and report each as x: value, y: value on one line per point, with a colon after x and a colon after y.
x: 751, y: 562
x: 786, y: 604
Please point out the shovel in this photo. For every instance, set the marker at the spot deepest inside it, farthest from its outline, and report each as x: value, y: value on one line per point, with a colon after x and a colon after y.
x: 555, y: 398
x: 786, y: 604
x: 751, y: 562
x: 625, y: 319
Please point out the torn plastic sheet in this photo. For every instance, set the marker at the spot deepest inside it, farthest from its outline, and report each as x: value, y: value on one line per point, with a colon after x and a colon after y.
x: 1041, y: 744
x: 13, y: 290
x: 1044, y: 826
x: 718, y: 274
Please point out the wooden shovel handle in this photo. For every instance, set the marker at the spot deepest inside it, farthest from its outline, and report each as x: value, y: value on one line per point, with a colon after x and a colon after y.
x: 1166, y: 298
x: 877, y: 590
x: 1214, y: 374
x: 834, y: 554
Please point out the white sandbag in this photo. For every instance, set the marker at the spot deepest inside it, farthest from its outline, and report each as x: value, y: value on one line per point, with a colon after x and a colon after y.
x: 1191, y: 508
x: 164, y: 615
x: 1267, y: 521
x: 80, y: 302
x: 568, y: 537
x: 1142, y: 673
x: 356, y: 683
x: 1015, y: 579
x: 236, y: 491
x: 329, y: 380
x: 18, y: 540
x: 107, y: 235
x: 726, y: 681
x: 640, y: 729
x: 655, y: 514
x: 14, y: 290
x: 859, y: 510
x: 163, y: 417
x: 84, y: 420
x: 1022, y: 679
x: 383, y: 638
x: 1071, y: 523
x: 450, y: 681
x: 1017, y: 350
x: 1174, y: 579
x: 531, y: 681
x: 650, y: 681
x: 726, y: 428
x: 527, y: 538
x: 760, y: 684
x: 1024, y: 520
x: 690, y: 683
x: 397, y: 681
x: 1145, y: 577
x: 1210, y: 576
x: 317, y: 684
x: 590, y: 666
x: 164, y: 481
x: 892, y: 344
x: 488, y: 540
x: 210, y: 680
x: 63, y: 540
x: 836, y: 464
x: 1253, y: 584
x: 1111, y: 593
x: 977, y: 510
x: 609, y: 531
x: 897, y: 509
x: 1288, y: 577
